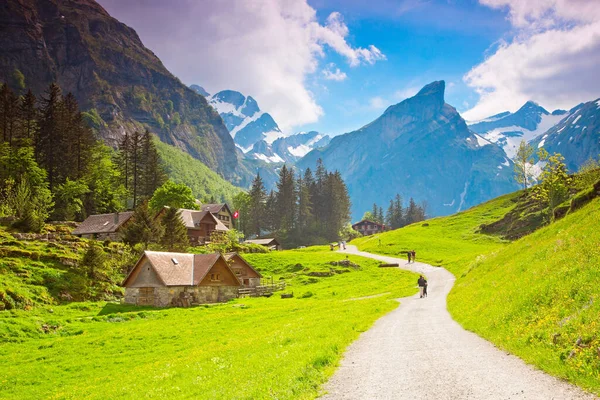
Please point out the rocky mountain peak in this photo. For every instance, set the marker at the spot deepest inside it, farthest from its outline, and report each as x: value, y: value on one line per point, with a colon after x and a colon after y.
x: 435, y: 89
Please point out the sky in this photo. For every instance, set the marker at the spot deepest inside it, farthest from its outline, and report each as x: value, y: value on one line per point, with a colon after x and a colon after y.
x: 335, y: 65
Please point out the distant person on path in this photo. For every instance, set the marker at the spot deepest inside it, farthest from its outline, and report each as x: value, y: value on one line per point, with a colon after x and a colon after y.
x: 408, y: 253
x: 422, y: 285
x: 425, y: 289
x: 344, y: 244
x: 414, y: 255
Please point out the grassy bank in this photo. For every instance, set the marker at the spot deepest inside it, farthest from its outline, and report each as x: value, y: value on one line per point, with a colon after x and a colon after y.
x: 539, y: 298
x: 450, y: 241
x: 246, y: 349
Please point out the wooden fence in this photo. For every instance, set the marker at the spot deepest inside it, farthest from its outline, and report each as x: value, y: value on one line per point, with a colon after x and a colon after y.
x: 264, y: 290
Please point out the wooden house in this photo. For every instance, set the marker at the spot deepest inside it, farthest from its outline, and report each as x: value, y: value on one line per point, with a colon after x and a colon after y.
x: 248, y: 276
x: 103, y: 226
x: 366, y: 227
x: 270, y: 243
x: 199, y: 224
x: 163, y: 279
x: 221, y: 212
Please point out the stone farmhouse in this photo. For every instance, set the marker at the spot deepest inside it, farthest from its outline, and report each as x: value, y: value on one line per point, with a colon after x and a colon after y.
x: 164, y: 279
x: 103, y: 226
x: 366, y: 227
x: 248, y: 276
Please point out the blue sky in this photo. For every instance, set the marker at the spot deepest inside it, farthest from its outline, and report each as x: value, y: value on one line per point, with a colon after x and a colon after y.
x: 493, y: 54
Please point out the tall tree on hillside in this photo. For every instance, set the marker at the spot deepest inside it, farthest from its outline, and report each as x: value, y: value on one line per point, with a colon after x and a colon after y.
x: 380, y: 216
x: 107, y: 192
x: 304, y: 207
x: 399, y: 213
x: 375, y: 212
x: 143, y: 228
x: 554, y: 184
x: 51, y: 141
x: 174, y: 237
x: 241, y: 204
x: 174, y: 195
x: 338, y: 201
x: 317, y: 195
x: 389, y: 215
x: 412, y: 213
x: 153, y: 171
x: 123, y: 159
x: 256, y: 213
x: 28, y: 114
x: 270, y: 218
x: 524, y: 164
x: 9, y: 105
x: 79, y: 137
x: 309, y: 183
x: 286, y: 200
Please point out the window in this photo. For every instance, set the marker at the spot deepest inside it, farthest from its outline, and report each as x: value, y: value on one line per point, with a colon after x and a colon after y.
x: 215, y: 277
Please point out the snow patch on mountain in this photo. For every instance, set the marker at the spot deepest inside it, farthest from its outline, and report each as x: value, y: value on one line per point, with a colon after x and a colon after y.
x: 272, y: 159
x: 481, y: 141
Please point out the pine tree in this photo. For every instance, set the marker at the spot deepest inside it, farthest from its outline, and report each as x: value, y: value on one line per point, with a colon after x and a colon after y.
x: 142, y: 229
x: 309, y: 182
x: 270, y: 218
x: 412, y: 213
x: 256, y: 212
x: 286, y: 200
x: 175, y: 236
x: 50, y: 143
x: 399, y: 214
x: 28, y: 114
x: 304, y: 208
x: 380, y: 216
x: 375, y: 212
x: 389, y: 215
x: 153, y: 173
x: 94, y: 261
x: 9, y: 105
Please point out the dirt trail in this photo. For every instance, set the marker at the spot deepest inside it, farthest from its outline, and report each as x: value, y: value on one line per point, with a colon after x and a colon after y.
x: 419, y: 352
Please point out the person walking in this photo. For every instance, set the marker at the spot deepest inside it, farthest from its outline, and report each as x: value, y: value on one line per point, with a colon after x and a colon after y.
x: 409, y: 253
x: 422, y: 284
x: 425, y: 289
x: 413, y: 255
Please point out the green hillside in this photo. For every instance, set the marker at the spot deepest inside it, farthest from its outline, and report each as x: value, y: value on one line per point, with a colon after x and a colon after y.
x: 183, y: 168
x: 539, y: 297
x: 536, y: 297
x: 249, y: 348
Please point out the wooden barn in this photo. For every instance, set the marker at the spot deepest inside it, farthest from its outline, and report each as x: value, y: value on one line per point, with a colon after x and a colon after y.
x: 221, y: 212
x: 248, y: 276
x: 199, y: 224
x: 103, y: 226
x: 164, y: 279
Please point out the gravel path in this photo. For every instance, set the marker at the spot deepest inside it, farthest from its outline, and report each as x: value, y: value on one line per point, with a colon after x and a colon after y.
x: 419, y: 352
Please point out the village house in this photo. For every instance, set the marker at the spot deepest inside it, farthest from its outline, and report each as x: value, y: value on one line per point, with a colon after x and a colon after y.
x: 199, y: 224
x: 221, y: 212
x: 366, y: 227
x: 164, y: 279
x: 270, y: 243
x: 103, y: 226
x: 248, y: 276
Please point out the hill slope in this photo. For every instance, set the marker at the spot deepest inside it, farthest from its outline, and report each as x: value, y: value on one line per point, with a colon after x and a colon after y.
x: 105, y: 65
x: 539, y: 297
x: 420, y: 148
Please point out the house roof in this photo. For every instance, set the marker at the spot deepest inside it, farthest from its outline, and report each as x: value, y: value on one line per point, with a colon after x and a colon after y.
x: 102, y: 223
x: 215, y: 208
x: 192, y: 218
x: 229, y: 256
x: 263, y: 242
x: 178, y: 269
x: 368, y: 222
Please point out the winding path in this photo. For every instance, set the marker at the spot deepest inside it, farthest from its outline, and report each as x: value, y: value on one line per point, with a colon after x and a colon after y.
x: 419, y: 352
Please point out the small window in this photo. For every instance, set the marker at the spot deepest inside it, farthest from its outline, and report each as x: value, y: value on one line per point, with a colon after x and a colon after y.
x: 212, y: 277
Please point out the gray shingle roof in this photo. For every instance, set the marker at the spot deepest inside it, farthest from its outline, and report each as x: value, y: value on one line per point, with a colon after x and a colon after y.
x: 102, y: 223
x: 264, y: 242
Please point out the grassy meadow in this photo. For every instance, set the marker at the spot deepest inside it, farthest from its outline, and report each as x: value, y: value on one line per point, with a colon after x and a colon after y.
x: 537, y: 297
x: 250, y: 348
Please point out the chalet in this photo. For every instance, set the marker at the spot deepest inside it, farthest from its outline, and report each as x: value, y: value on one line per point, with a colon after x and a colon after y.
x: 200, y: 224
x: 221, y: 212
x: 248, y: 276
x: 366, y: 227
x: 103, y: 226
x: 163, y: 279
x: 270, y: 243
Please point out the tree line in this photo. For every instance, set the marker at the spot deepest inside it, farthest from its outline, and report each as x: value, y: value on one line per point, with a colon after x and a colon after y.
x: 397, y: 214
x: 306, y: 208
x: 52, y: 165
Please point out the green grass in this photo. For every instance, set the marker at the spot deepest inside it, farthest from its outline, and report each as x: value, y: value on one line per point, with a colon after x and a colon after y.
x: 183, y: 168
x: 535, y: 297
x: 539, y: 295
x: 450, y: 241
x: 251, y: 348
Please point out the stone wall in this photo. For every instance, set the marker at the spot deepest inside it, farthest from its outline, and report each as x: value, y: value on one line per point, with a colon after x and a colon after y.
x: 175, y: 295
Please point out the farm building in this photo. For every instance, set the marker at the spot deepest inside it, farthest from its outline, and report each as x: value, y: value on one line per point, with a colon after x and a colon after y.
x: 103, y: 226
x: 366, y: 227
x: 163, y: 279
x: 270, y: 243
x: 247, y: 275
x: 221, y: 212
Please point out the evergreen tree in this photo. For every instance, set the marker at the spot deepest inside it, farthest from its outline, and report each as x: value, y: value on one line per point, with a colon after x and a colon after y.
x: 412, y: 214
x: 28, y: 114
x: 399, y: 213
x: 94, y: 260
x: 380, y: 216
x: 153, y: 171
x: 389, y: 215
x: 309, y: 183
x: 107, y: 194
x: 142, y: 229
x: 285, y: 200
x: 270, y: 218
x: 256, y: 213
x: 304, y: 215
x: 375, y: 213
x: 175, y: 236
x: 9, y: 106
x: 51, y: 142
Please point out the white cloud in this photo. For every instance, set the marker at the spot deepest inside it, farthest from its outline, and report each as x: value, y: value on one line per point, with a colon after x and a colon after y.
x: 263, y: 48
x: 377, y: 103
x: 553, y: 58
x: 333, y: 75
x: 405, y: 93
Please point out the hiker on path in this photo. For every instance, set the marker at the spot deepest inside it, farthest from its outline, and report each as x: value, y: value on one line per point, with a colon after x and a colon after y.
x: 422, y: 284
x: 414, y: 255
x: 425, y: 289
x: 408, y: 253
x: 344, y: 244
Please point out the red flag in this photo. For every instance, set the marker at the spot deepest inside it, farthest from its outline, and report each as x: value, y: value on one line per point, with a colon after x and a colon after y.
x: 236, y: 215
